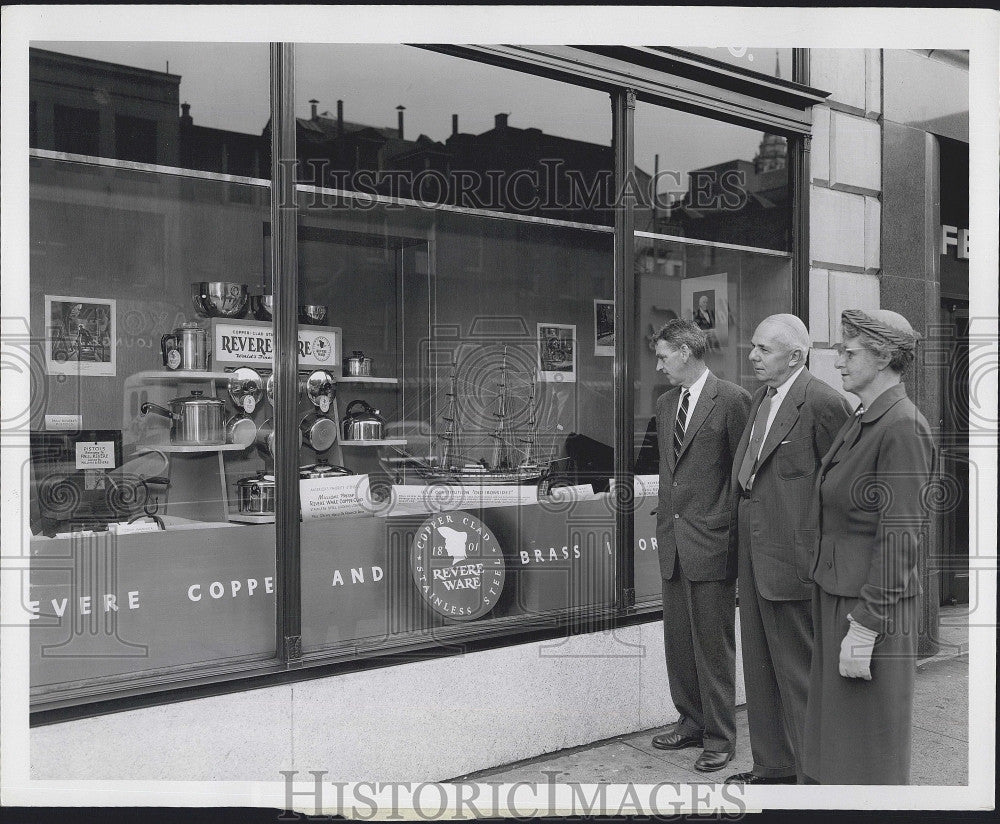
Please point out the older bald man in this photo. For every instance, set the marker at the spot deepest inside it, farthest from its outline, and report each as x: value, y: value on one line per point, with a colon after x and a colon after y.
x: 793, y: 420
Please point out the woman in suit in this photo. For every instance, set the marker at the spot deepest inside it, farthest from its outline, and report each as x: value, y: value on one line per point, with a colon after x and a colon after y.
x: 873, y: 525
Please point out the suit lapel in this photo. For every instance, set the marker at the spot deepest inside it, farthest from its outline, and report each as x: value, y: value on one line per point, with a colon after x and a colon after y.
x: 705, y: 403
x: 788, y: 414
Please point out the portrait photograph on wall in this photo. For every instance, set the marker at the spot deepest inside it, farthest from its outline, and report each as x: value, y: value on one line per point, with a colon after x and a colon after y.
x: 557, y: 352
x: 604, y: 328
x: 79, y: 336
x: 704, y: 300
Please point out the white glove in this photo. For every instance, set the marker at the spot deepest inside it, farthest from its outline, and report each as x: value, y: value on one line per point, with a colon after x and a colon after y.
x: 856, y: 651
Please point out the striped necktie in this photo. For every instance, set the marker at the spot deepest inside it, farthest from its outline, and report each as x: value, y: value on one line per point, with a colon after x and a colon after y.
x: 680, y: 425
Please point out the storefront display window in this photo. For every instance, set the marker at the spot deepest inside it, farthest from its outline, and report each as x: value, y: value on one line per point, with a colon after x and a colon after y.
x: 458, y: 407
x: 713, y: 248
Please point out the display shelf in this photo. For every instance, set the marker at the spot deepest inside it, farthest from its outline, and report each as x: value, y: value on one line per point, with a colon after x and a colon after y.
x: 180, y: 374
x: 182, y: 448
x: 383, y: 442
x: 251, y: 518
x: 369, y: 380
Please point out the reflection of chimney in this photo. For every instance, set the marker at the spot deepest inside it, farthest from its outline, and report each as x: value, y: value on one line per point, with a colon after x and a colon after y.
x: 340, y: 117
x: 500, y: 122
x: 314, y: 103
x: 400, y: 109
x: 454, y: 124
x: 186, y: 119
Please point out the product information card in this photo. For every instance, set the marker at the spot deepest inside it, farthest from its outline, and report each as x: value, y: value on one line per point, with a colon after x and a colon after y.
x: 335, y: 497
x: 414, y: 500
x: 95, y: 455
x: 645, y: 485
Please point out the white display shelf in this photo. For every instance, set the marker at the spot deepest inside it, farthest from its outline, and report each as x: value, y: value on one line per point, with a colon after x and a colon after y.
x: 251, y: 518
x: 383, y: 442
x: 180, y: 374
x: 183, y: 448
x: 369, y: 380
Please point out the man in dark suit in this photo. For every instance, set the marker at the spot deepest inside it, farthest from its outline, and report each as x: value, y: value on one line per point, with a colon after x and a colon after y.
x: 699, y: 423
x: 794, y: 418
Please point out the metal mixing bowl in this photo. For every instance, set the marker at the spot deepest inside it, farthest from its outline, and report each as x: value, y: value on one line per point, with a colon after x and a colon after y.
x: 220, y: 298
x: 262, y: 306
x: 312, y: 314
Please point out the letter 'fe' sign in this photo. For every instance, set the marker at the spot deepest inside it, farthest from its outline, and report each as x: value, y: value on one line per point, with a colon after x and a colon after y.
x: 335, y: 497
x: 95, y: 455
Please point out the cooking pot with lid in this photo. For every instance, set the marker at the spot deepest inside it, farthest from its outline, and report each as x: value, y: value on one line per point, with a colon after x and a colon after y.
x: 357, y: 365
x: 256, y: 494
x: 362, y: 422
x: 320, y: 389
x: 246, y: 388
x: 266, y: 436
x: 194, y: 419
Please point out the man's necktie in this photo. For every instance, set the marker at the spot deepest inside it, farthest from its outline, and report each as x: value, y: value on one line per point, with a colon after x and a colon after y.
x: 680, y: 425
x: 749, y: 465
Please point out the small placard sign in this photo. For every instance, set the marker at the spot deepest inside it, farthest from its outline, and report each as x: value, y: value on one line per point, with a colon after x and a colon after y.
x: 335, y: 497
x: 95, y: 455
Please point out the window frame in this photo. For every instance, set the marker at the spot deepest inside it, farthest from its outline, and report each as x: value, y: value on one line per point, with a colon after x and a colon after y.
x: 660, y: 75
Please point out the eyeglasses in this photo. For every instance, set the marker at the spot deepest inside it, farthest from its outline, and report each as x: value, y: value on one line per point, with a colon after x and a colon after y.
x: 842, y: 350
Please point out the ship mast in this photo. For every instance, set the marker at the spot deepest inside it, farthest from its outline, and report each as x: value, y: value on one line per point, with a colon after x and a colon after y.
x: 450, y: 415
x: 500, y: 458
x: 529, y: 452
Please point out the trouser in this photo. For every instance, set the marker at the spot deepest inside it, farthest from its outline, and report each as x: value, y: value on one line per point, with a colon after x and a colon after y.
x: 699, y: 635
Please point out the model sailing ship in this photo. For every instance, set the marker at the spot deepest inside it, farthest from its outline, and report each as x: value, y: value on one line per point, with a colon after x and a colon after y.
x: 513, y: 460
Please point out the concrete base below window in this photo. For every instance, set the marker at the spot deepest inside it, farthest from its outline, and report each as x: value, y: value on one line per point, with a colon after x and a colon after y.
x: 425, y: 721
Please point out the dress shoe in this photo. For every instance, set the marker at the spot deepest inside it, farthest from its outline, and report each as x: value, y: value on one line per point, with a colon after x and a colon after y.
x: 674, y: 740
x: 710, y: 761
x: 753, y: 778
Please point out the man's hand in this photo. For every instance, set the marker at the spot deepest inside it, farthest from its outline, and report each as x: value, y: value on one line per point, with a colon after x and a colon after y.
x: 856, y: 651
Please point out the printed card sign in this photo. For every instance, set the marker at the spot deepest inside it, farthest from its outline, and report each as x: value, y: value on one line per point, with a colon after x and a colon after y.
x: 251, y: 343
x: 95, y: 455
x: 414, y: 499
x: 335, y: 497
x: 69, y: 423
x: 645, y: 485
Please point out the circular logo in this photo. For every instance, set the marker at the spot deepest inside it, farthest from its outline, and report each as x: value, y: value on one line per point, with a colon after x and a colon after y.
x: 321, y: 348
x: 457, y: 565
x: 173, y: 359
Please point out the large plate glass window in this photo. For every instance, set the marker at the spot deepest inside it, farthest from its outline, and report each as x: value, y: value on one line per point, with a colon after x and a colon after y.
x: 712, y: 245
x: 454, y: 220
x: 146, y: 231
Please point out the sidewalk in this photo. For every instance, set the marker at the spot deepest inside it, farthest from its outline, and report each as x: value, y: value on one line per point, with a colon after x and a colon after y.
x: 940, y: 735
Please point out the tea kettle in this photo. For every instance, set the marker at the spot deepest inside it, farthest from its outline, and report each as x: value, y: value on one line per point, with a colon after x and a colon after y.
x: 363, y: 425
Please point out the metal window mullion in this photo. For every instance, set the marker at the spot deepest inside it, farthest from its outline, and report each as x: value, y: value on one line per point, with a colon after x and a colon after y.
x: 623, y: 131
x: 799, y: 182
x: 284, y: 286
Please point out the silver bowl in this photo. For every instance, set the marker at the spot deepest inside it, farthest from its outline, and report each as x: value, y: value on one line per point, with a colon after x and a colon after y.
x: 262, y: 306
x: 220, y: 298
x: 312, y: 314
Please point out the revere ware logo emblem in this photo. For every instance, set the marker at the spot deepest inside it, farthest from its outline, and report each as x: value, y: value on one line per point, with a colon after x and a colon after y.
x: 321, y: 348
x: 457, y: 565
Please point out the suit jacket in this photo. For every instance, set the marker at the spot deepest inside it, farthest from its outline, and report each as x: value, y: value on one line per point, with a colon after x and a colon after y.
x: 784, y: 512
x: 694, y: 513
x: 873, y: 514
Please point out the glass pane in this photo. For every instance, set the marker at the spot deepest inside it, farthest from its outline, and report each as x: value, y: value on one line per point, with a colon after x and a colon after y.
x: 727, y: 293
x: 374, y: 119
x: 149, y: 102
x: 141, y: 564
x: 713, y: 181
x: 474, y: 378
x: 772, y: 62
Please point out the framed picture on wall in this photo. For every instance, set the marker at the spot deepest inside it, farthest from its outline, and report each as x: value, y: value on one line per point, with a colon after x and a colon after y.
x: 80, y: 335
x: 556, y: 352
x: 705, y: 300
x: 604, y: 328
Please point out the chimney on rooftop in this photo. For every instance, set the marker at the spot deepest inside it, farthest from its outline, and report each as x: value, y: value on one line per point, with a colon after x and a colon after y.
x: 500, y: 122
x: 313, y: 103
x: 186, y: 119
x: 340, y: 118
x: 400, y: 109
x: 454, y: 124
